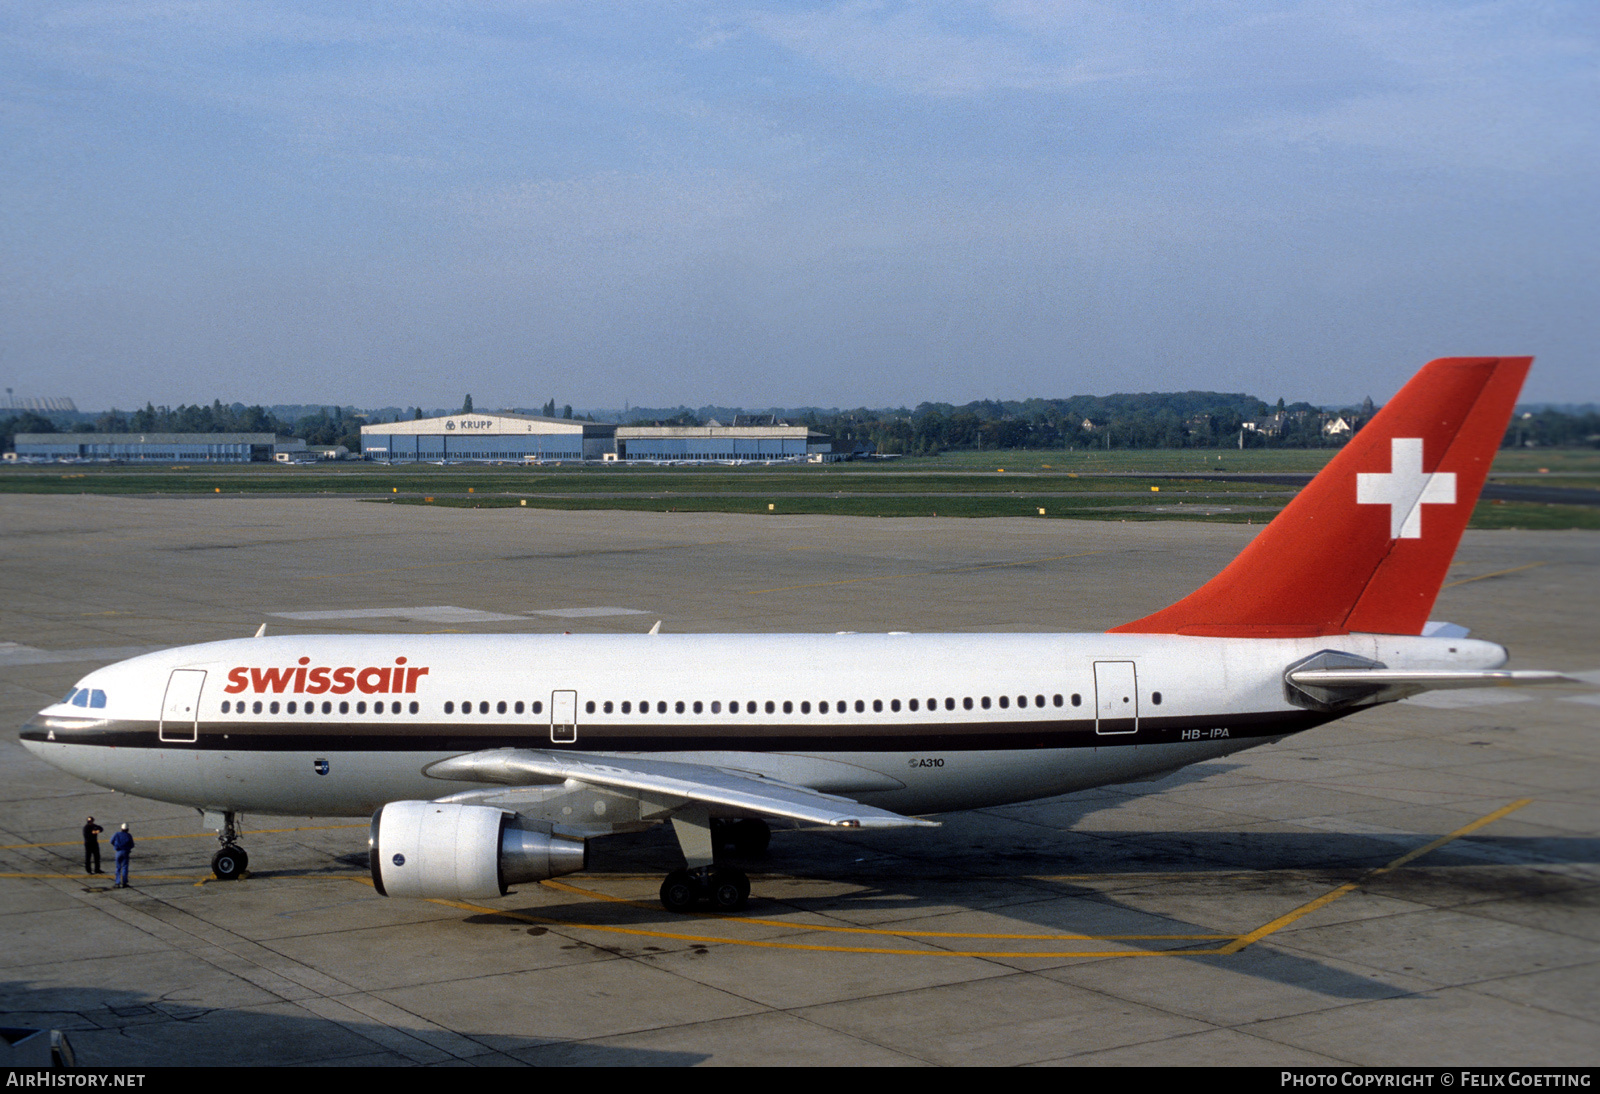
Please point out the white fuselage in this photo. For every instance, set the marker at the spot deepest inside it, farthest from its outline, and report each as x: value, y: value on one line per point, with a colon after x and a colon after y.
x: 917, y: 724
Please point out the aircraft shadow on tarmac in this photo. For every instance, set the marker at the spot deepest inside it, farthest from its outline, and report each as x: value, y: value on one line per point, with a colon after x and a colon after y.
x: 1100, y: 882
x: 112, y: 1027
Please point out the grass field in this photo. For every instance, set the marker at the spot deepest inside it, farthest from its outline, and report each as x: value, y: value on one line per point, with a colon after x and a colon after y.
x: 1116, y: 485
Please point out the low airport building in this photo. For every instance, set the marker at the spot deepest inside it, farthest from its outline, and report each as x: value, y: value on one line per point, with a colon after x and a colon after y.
x: 503, y: 436
x: 155, y: 447
x: 721, y: 443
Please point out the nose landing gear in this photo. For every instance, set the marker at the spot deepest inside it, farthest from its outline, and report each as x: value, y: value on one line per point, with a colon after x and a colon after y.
x: 230, y: 863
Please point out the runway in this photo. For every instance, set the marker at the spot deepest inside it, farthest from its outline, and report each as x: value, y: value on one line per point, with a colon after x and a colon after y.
x: 1418, y: 884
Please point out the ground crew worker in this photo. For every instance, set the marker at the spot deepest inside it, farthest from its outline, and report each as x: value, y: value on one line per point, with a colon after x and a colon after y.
x: 91, y: 847
x: 122, y: 844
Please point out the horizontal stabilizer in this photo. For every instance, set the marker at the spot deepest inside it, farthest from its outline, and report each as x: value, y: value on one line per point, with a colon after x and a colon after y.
x: 671, y: 779
x: 1341, y: 687
x: 1427, y: 680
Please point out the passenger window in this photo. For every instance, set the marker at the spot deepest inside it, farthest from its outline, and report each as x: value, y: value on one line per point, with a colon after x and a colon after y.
x: 716, y: 706
x: 361, y: 707
x: 606, y: 706
x: 860, y: 706
x: 966, y: 703
x: 415, y: 708
x: 770, y: 707
x: 518, y: 708
x: 1155, y: 697
x: 588, y: 708
x: 877, y: 706
x: 661, y: 706
x: 1005, y: 701
x: 344, y: 708
x: 698, y: 707
x: 483, y: 707
x: 677, y: 708
x: 500, y: 707
x: 1077, y: 700
x: 449, y: 708
x: 225, y: 706
x: 627, y: 707
x: 537, y: 706
x: 327, y: 706
x: 1056, y: 700
x: 805, y: 708
x: 289, y: 709
x: 894, y: 705
x: 1038, y: 701
x: 256, y: 707
x: 822, y: 707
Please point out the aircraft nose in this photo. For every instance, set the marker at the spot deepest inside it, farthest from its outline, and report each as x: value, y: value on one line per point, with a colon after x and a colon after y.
x: 34, y: 729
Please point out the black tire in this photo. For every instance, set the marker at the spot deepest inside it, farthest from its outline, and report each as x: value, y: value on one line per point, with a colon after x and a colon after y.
x: 730, y: 889
x: 680, y: 892
x: 229, y: 863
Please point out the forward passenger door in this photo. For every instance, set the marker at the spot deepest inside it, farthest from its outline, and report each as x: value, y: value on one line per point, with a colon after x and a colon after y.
x: 180, y: 706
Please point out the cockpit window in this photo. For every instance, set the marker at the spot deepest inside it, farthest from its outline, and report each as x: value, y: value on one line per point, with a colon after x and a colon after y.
x: 81, y: 699
x: 97, y: 698
x: 70, y: 693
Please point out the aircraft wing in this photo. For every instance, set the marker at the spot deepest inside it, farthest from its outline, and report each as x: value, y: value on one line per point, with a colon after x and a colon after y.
x: 671, y: 779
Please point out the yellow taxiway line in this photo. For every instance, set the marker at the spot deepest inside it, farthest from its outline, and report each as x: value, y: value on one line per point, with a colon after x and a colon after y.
x: 1231, y: 943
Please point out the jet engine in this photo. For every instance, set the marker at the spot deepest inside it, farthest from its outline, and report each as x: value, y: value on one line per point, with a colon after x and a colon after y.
x: 439, y: 849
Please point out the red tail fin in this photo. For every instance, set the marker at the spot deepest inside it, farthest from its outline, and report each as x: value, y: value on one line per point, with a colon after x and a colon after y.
x: 1364, y: 547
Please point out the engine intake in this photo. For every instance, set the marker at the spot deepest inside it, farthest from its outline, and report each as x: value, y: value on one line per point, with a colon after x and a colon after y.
x: 439, y: 849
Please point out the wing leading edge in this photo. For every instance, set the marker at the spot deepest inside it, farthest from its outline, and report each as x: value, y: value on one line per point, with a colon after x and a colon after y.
x: 686, y: 782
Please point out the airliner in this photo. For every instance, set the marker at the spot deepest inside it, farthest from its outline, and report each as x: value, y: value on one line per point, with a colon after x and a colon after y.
x: 486, y: 761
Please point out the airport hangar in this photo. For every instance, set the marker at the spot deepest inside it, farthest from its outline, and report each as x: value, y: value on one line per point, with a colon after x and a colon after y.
x: 528, y: 437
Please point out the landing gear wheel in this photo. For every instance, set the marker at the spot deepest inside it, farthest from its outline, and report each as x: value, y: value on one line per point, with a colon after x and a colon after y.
x: 229, y: 863
x: 680, y: 892
x: 730, y: 889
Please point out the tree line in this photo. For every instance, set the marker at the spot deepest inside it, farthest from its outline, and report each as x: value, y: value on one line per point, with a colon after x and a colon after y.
x: 324, y: 426
x: 1188, y: 419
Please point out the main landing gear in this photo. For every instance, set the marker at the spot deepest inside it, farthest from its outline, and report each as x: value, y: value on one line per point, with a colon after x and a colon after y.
x: 725, y: 888
x: 230, y: 863
x: 704, y: 880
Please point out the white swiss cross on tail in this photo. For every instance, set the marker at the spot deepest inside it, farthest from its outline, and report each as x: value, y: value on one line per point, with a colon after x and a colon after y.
x: 1405, y: 489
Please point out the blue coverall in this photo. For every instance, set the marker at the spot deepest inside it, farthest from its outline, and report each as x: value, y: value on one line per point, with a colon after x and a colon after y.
x: 122, y: 844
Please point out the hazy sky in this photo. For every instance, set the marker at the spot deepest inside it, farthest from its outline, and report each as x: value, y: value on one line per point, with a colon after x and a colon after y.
x: 788, y: 203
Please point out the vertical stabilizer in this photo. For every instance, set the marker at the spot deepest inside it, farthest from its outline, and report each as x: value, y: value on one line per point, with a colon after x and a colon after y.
x: 1364, y: 547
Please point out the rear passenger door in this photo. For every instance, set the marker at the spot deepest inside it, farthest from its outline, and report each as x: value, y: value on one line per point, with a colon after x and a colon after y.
x: 1116, y: 698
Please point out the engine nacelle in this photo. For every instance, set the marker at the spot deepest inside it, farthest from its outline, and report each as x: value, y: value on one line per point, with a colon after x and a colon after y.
x: 439, y: 849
